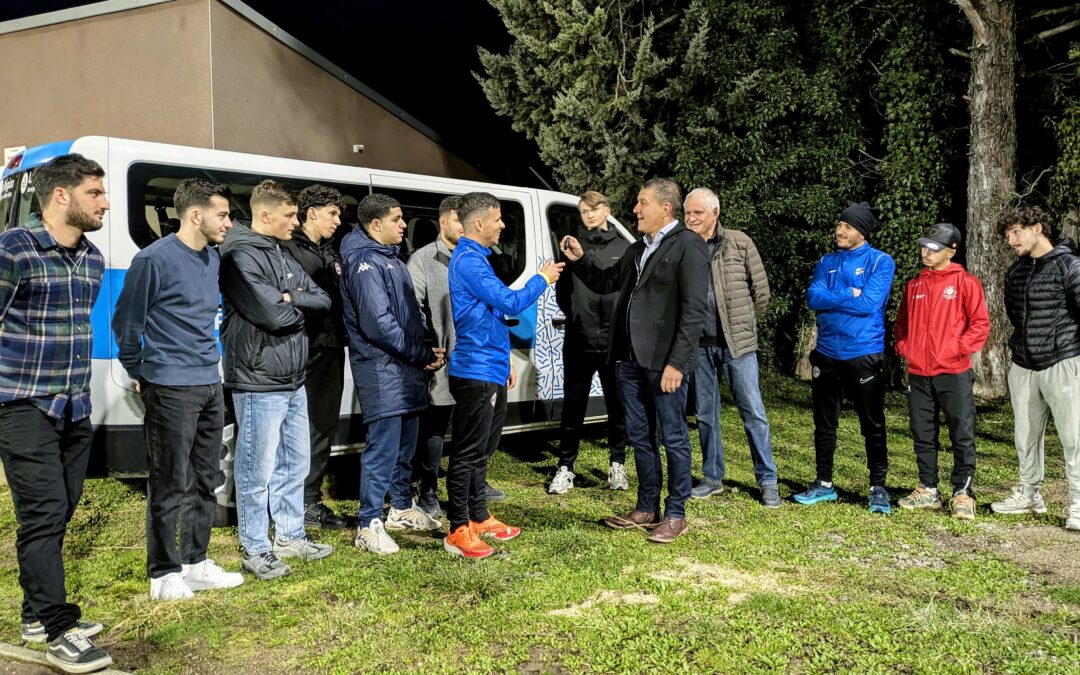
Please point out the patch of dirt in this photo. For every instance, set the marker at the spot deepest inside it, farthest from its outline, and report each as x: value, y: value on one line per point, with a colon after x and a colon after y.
x: 616, y: 598
x: 1046, y: 550
x: 743, y: 583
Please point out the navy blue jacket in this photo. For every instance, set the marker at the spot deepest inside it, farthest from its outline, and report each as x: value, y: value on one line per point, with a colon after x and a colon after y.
x: 388, y: 340
x: 849, y: 326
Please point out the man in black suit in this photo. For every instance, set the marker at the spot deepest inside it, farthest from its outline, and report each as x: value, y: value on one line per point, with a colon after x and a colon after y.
x: 662, y: 283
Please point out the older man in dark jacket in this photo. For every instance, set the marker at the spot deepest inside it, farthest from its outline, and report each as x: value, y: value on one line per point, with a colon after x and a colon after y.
x: 266, y: 294
x: 1042, y: 299
x: 585, y: 346
x: 389, y: 350
x: 312, y: 245
x: 662, y: 281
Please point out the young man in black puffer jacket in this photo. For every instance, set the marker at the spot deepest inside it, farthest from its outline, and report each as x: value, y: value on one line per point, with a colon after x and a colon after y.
x: 312, y: 245
x: 1042, y: 299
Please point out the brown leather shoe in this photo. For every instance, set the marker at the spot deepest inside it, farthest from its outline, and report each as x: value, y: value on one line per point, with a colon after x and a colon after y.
x: 633, y: 520
x: 668, y: 531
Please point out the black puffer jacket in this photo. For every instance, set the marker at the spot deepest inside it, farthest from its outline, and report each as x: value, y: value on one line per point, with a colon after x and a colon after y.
x: 322, y: 263
x: 1042, y: 299
x: 262, y: 334
x: 588, y: 314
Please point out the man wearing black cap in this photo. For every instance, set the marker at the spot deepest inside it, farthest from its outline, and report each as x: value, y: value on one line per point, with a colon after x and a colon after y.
x: 849, y: 291
x: 942, y: 321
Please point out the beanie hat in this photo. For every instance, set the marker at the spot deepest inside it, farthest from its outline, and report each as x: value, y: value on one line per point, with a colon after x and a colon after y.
x: 862, y: 217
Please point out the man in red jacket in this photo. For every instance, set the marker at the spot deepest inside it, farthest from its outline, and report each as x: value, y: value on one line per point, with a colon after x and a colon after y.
x: 942, y: 321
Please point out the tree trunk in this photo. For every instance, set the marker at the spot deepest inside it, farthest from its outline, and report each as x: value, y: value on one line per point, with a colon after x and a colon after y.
x: 991, y: 174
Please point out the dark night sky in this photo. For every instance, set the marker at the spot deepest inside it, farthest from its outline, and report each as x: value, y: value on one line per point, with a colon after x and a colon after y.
x: 420, y: 54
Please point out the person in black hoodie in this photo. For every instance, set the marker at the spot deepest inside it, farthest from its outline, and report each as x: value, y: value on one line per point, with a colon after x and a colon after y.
x: 312, y: 245
x: 1042, y: 300
x: 585, y: 346
x: 266, y: 294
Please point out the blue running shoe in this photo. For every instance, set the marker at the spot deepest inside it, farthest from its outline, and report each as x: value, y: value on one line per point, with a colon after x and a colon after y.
x: 879, y: 500
x: 816, y: 493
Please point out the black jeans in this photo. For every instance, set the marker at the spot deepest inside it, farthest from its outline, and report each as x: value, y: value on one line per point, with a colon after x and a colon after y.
x: 324, y: 385
x: 45, y: 463
x: 182, y: 426
x: 578, y: 369
x: 861, y: 381
x: 434, y: 421
x: 954, y: 395
x: 479, y: 413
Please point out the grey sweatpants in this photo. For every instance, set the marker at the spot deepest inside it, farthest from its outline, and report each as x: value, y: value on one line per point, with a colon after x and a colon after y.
x: 1035, y: 394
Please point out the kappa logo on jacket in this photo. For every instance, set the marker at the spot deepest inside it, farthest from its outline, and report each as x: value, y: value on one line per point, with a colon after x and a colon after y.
x: 364, y: 267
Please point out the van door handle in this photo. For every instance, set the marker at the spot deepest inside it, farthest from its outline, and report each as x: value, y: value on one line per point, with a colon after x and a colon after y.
x: 559, y: 323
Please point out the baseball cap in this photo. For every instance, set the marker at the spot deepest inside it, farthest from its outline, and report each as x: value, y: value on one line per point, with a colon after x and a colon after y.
x: 940, y: 236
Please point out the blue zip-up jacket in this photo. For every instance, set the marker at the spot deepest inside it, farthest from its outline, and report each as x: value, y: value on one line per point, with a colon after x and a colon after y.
x: 481, y: 302
x: 849, y: 326
x: 388, y: 340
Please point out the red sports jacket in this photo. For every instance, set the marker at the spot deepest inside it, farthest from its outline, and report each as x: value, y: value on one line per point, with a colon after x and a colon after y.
x: 942, y: 321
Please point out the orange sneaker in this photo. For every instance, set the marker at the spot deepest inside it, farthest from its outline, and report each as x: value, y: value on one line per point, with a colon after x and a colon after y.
x: 464, y: 542
x: 493, y: 527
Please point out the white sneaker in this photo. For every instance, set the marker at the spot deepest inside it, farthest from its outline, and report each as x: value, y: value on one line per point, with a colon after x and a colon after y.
x: 563, y: 481
x: 1018, y: 502
x: 616, y: 477
x: 207, y: 575
x: 1073, y: 523
x: 375, y: 539
x: 412, y: 518
x: 170, y: 587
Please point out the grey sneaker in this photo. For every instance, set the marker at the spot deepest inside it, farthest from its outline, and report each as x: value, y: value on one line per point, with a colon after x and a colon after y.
x: 302, y: 547
x: 920, y: 498
x: 770, y: 496
x: 616, y: 477
x: 1018, y: 502
x: 412, y: 518
x: 562, y: 483
x: 34, y: 631
x: 73, y: 652
x: 265, y: 566
x: 707, y: 487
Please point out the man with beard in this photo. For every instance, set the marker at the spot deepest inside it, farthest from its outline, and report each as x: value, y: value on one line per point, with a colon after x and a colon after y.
x: 428, y: 267
x: 164, y: 328
x: 50, y: 276
x: 312, y: 245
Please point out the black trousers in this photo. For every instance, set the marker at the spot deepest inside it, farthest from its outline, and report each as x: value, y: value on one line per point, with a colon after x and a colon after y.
x: 954, y: 395
x: 578, y: 369
x: 477, y: 429
x: 324, y: 385
x: 182, y: 427
x: 45, y: 463
x: 434, y: 422
x: 861, y: 381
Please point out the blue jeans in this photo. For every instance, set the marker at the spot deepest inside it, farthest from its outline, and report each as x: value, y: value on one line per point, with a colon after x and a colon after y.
x: 386, y: 465
x: 644, y: 404
x: 273, y: 448
x: 742, y: 374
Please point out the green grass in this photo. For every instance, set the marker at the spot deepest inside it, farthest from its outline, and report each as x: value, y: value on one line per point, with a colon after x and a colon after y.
x: 827, y: 588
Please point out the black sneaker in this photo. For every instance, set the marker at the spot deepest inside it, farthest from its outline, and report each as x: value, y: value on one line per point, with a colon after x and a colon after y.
x: 320, y: 515
x: 73, y: 652
x: 34, y: 631
x: 770, y: 496
x: 492, y: 494
x: 429, y: 504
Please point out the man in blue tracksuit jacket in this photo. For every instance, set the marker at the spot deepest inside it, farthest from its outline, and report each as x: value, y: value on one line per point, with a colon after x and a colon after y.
x: 849, y: 292
x: 389, y: 350
x: 480, y: 370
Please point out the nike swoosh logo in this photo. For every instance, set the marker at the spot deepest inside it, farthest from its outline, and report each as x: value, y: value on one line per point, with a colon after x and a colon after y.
x: 864, y: 380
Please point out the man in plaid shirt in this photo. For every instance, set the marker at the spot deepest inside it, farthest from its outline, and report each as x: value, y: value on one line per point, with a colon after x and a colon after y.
x: 50, y: 275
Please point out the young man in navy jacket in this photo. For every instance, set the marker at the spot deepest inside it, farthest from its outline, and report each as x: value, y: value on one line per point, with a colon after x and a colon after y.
x: 389, y: 350
x: 480, y: 370
x: 942, y: 321
x: 849, y: 292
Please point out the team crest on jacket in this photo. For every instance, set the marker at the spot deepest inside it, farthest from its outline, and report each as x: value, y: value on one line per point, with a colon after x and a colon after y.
x: 949, y: 293
x: 859, y: 271
x: 337, y: 268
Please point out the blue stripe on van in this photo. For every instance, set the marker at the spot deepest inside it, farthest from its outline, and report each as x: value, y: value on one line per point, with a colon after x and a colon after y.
x: 34, y: 157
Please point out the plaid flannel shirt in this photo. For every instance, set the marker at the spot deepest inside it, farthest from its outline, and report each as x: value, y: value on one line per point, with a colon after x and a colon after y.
x: 46, y: 294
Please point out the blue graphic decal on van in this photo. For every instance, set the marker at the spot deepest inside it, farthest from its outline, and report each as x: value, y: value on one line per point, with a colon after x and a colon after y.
x: 36, y: 156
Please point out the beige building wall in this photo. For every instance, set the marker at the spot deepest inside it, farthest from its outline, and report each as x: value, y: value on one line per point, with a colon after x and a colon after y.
x: 142, y: 74
x: 271, y: 100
